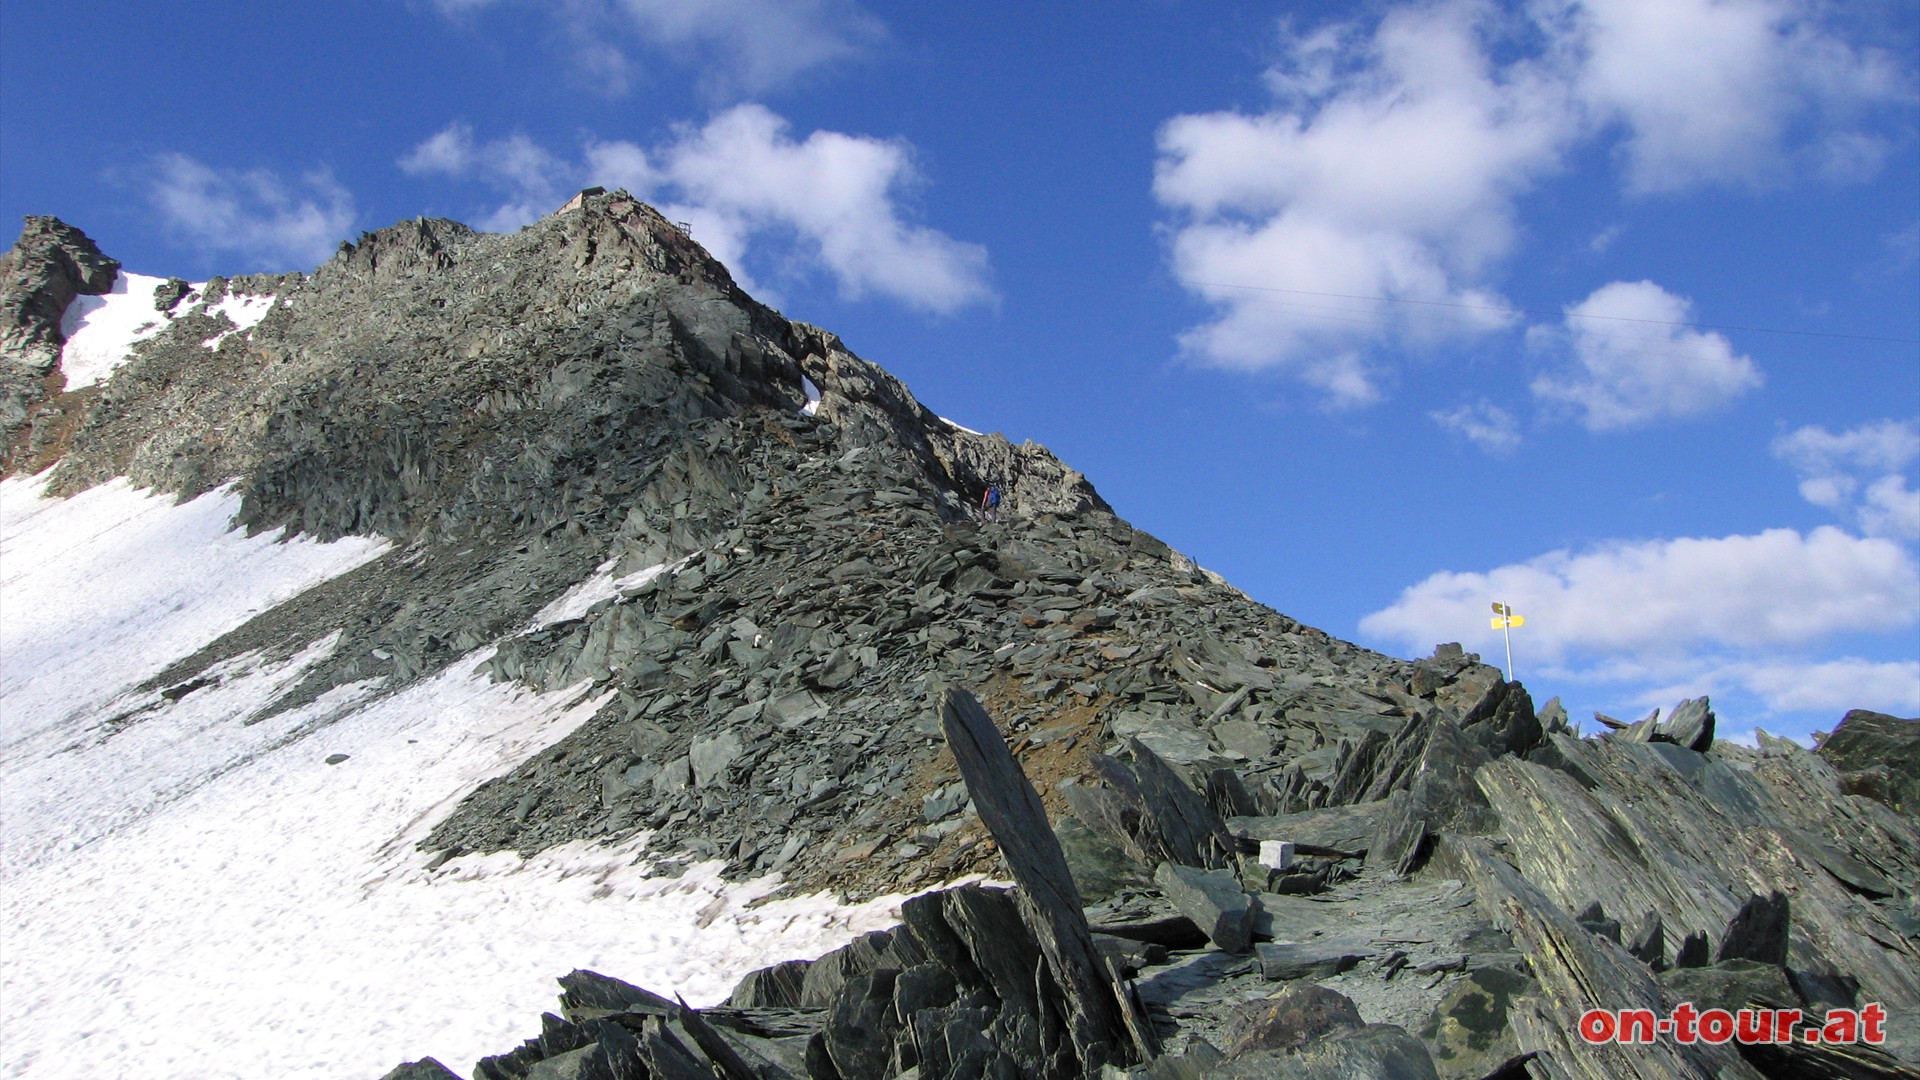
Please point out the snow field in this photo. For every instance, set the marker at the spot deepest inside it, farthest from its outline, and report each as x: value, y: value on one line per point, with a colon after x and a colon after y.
x: 103, y: 590
x: 101, y: 329
x: 199, y: 896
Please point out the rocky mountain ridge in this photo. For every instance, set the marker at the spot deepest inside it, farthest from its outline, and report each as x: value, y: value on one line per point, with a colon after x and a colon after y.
x: 597, y: 459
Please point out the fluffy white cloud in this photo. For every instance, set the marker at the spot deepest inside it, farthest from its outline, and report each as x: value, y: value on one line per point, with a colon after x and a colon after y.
x: 1634, y: 364
x: 1708, y: 91
x: 532, y: 178
x: 1482, y: 423
x: 1392, y: 182
x: 1859, y: 474
x: 1832, y: 686
x: 1658, y: 602
x: 253, y: 213
x: 742, y: 46
x: 748, y: 187
x: 1373, y: 203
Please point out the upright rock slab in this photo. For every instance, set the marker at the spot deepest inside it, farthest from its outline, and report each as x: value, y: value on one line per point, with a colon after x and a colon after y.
x: 1105, y: 1027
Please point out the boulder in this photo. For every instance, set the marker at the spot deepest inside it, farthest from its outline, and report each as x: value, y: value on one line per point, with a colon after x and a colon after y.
x: 1289, y: 1019
x: 1731, y: 985
x: 1468, y: 1031
x: 1372, y: 1052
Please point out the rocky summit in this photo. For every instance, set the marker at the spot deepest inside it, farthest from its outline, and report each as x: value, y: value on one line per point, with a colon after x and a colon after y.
x: 1237, y: 846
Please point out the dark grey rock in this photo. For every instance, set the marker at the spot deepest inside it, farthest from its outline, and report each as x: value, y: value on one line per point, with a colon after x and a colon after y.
x: 51, y: 263
x: 1156, y: 816
x: 1341, y: 831
x: 1758, y: 931
x: 1213, y: 899
x: 1102, y: 1022
x: 1373, y: 1052
x: 1731, y: 985
x: 1593, y: 918
x: 1877, y: 756
x: 168, y: 294
x: 778, y: 986
x: 1469, y: 1032
x: 1689, y: 725
x: 585, y: 994
x: 709, y: 758
x: 1694, y: 951
x: 1289, y: 1019
x: 860, y: 1034
x: 1315, y: 958
x: 1648, y: 942
x: 424, y: 1069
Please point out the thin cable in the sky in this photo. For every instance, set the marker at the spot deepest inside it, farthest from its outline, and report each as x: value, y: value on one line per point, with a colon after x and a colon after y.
x: 1559, y: 314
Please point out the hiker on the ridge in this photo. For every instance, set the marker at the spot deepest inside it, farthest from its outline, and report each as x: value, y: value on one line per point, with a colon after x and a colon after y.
x: 990, y: 503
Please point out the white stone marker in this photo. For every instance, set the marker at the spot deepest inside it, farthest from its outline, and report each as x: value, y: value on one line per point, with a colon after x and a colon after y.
x: 1276, y: 854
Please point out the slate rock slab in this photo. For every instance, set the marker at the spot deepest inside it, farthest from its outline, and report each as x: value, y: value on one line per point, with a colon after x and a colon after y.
x: 1214, y: 900
x: 1373, y: 1052
x: 1103, y: 1025
x: 1689, y: 725
x: 1318, y: 958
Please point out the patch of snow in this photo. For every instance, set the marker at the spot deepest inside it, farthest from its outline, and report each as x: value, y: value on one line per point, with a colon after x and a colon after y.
x: 602, y: 585
x: 104, y: 589
x: 191, y: 894
x: 958, y: 427
x: 279, y: 915
x: 245, y: 312
x: 813, y: 396
x: 101, y: 331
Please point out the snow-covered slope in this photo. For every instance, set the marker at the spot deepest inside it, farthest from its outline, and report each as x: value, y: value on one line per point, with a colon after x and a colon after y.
x: 194, y: 891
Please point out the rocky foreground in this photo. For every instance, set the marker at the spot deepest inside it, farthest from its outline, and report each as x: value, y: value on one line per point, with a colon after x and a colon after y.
x: 1459, y: 895
x: 1241, y: 847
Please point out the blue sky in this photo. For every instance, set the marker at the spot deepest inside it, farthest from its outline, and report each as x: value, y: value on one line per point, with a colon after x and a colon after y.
x: 1609, y: 309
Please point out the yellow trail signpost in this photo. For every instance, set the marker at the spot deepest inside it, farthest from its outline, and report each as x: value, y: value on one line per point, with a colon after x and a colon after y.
x: 1504, y: 620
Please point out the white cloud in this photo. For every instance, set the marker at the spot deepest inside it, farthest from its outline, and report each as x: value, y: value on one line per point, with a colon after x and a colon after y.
x: 1833, y: 686
x: 1709, y: 91
x: 1388, y: 183
x: 1860, y: 473
x: 254, y: 213
x: 1482, y: 423
x: 743, y: 47
x: 532, y: 178
x: 1633, y: 365
x: 1660, y: 602
x: 752, y: 192
x: 1373, y: 204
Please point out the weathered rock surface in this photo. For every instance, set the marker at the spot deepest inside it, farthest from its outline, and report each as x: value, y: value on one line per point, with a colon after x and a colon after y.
x: 1877, y: 756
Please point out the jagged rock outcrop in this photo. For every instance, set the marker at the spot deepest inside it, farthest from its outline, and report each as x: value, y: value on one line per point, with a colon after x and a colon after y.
x: 1877, y: 756
x: 50, y: 264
